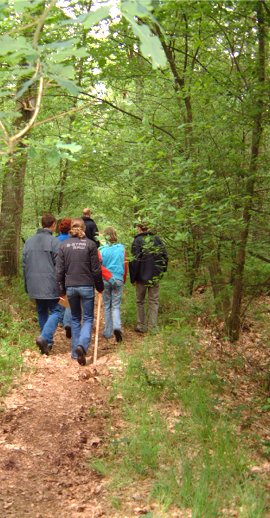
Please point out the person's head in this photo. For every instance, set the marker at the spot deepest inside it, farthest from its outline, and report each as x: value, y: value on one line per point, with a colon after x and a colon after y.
x: 64, y: 225
x: 77, y: 228
x: 87, y: 212
x: 48, y: 221
x: 141, y: 226
x: 110, y: 234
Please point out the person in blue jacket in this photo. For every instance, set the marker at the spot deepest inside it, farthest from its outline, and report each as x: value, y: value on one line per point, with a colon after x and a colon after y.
x: 64, y: 228
x: 114, y: 272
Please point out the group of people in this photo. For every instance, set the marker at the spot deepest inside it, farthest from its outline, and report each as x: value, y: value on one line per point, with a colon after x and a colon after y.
x: 75, y: 264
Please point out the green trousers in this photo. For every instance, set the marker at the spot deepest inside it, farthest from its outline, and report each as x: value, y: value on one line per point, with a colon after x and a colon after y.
x: 147, y: 319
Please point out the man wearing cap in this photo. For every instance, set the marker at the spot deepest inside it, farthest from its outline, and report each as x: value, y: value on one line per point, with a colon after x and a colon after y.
x: 146, y: 269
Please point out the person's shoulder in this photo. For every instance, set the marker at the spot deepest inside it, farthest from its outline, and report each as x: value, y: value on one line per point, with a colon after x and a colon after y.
x: 119, y: 246
x: 63, y: 244
x: 103, y: 247
x: 28, y: 241
x: 90, y: 243
x: 32, y: 238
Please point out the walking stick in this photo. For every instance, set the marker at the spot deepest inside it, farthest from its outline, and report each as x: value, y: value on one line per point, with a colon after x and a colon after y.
x: 97, y: 329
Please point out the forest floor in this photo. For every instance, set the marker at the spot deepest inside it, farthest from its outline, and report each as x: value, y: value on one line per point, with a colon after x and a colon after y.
x: 58, y: 417
x: 53, y: 421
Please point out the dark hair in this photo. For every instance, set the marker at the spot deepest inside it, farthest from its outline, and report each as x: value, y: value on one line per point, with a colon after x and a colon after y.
x: 47, y: 220
x: 64, y: 225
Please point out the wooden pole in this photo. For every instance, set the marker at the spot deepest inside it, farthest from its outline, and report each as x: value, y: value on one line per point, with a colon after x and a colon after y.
x: 97, y: 329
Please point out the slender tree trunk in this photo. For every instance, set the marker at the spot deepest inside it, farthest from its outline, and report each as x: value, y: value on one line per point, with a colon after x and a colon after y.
x: 65, y: 164
x: 11, y: 214
x: 193, y: 258
x: 12, y: 203
x: 13, y: 185
x: 235, y: 318
x: 180, y: 86
x: 219, y: 287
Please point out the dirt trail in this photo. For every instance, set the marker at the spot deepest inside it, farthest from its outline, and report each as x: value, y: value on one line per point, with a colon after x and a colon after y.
x: 54, y: 420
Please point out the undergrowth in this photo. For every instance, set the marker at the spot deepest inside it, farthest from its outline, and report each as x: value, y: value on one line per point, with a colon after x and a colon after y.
x: 15, y: 331
x: 175, y: 436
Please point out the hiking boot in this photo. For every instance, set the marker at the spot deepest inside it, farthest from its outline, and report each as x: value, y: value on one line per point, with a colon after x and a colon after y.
x: 138, y: 330
x: 43, y: 345
x: 68, y: 331
x: 118, y: 335
x: 81, y: 355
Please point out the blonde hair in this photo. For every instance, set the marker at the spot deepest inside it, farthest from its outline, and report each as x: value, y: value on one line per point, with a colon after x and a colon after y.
x: 77, y: 228
x: 110, y: 234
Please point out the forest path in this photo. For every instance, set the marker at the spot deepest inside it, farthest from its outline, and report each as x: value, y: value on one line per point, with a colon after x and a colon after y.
x: 54, y: 420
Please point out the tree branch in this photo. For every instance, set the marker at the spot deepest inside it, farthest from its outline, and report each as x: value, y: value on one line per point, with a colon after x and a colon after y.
x: 21, y: 133
x: 128, y: 113
x: 41, y: 21
x: 259, y: 256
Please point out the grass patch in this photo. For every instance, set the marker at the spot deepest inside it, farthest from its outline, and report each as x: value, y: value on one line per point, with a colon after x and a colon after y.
x: 16, y: 333
x: 175, y: 437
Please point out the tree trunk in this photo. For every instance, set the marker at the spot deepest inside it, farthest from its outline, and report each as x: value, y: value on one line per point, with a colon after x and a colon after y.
x: 11, y: 214
x: 13, y: 184
x: 219, y: 287
x: 235, y: 318
x: 12, y: 199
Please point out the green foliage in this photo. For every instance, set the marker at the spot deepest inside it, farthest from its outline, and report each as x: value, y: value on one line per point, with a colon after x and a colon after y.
x: 173, y: 144
x: 149, y: 43
x: 174, y: 434
x: 15, y: 332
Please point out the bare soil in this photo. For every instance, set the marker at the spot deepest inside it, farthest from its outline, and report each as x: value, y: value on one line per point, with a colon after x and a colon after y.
x: 53, y: 421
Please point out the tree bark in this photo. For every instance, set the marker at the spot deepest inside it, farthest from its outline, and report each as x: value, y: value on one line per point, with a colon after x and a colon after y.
x: 219, y: 287
x: 235, y: 317
x: 12, y: 206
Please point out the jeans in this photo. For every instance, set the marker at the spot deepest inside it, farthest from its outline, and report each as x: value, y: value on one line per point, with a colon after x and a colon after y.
x: 65, y: 317
x: 81, y: 300
x: 144, y: 323
x: 49, y: 314
x: 112, y: 296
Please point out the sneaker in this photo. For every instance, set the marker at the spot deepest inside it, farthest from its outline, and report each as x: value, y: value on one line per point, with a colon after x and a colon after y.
x: 68, y: 331
x: 118, y: 335
x: 81, y: 355
x: 43, y: 345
